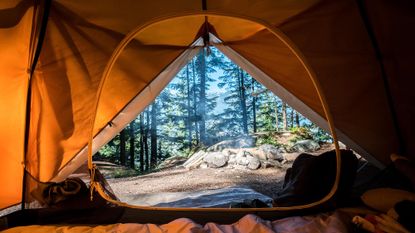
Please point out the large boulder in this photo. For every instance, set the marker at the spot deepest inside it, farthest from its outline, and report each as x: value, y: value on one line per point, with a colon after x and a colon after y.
x: 241, y: 142
x: 305, y: 146
x: 216, y: 159
x: 270, y: 152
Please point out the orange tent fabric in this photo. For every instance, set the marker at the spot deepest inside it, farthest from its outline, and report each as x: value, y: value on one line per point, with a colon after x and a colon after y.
x: 15, y: 30
x: 333, y: 38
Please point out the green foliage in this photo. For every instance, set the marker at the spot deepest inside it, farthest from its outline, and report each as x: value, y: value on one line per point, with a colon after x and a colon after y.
x: 108, y: 151
x: 268, y: 139
x: 312, y: 132
x: 121, y: 173
x: 320, y: 135
x: 302, y: 133
x: 266, y: 110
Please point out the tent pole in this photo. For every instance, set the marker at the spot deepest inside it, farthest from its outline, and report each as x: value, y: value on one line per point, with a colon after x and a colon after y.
x: 369, y: 29
x: 204, y: 5
x: 38, y: 40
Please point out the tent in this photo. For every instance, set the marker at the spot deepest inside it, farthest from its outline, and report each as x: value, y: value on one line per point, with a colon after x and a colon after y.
x: 76, y: 72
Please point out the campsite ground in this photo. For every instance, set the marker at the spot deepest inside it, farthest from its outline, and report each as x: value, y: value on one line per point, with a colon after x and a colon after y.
x: 267, y: 181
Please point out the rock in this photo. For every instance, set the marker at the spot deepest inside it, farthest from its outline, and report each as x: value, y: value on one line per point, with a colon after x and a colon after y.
x: 242, y: 157
x: 256, y: 152
x: 243, y: 153
x: 253, y: 163
x: 215, y: 159
x: 241, y: 142
x: 227, y: 152
x: 271, y: 163
x: 271, y: 152
x: 242, y: 161
x: 240, y: 154
x: 232, y: 159
x: 305, y: 146
x: 231, y: 151
x: 203, y: 165
x: 282, y: 150
x: 265, y: 164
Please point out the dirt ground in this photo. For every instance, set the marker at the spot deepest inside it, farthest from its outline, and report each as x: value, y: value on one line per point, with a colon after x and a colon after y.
x: 266, y: 181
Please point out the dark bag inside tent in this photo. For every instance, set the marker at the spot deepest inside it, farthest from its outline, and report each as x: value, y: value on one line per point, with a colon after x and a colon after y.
x: 311, y: 177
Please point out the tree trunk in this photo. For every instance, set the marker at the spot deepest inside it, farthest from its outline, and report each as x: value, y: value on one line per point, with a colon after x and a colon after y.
x: 202, y: 97
x: 189, y: 110
x: 254, y: 123
x: 153, y: 135
x: 297, y: 119
x: 242, y: 101
x: 284, y: 116
x: 277, y: 122
x: 132, y: 145
x: 292, y: 118
x: 159, y: 152
x: 122, y: 148
x: 146, y: 155
x: 197, y: 137
x: 141, y: 142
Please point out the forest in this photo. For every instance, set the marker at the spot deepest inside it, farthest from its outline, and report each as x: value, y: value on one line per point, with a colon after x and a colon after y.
x: 211, y: 99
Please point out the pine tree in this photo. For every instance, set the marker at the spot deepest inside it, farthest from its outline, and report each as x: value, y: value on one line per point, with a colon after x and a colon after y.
x: 242, y: 100
x: 189, y: 109
x: 276, y: 114
x: 153, y: 135
x: 297, y: 119
x: 284, y: 116
x: 132, y: 145
x: 253, y: 105
x: 195, y: 101
x: 141, y: 142
x: 292, y: 118
x: 145, y: 139
x: 122, y: 147
x: 234, y: 117
x: 204, y: 65
x: 201, y: 59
